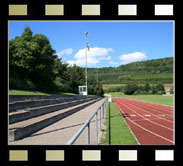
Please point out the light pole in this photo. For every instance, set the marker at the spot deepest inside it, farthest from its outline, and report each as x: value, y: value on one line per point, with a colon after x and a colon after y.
x: 87, y: 48
x: 97, y: 73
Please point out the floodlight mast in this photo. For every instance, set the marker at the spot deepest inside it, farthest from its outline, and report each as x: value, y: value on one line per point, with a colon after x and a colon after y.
x: 97, y: 73
x: 87, y: 47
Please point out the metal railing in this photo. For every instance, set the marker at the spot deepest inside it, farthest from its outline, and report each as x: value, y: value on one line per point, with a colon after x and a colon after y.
x: 101, y: 111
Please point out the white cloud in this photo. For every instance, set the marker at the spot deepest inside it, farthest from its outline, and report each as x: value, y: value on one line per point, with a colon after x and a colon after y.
x: 113, y: 63
x: 67, y: 51
x: 95, y: 55
x: 71, y: 63
x: 132, y: 57
x: 106, y: 58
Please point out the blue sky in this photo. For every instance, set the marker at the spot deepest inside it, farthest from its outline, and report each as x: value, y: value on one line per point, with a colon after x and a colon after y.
x: 112, y: 43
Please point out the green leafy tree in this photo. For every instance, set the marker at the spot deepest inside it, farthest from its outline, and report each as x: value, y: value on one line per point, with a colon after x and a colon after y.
x: 20, y: 59
x: 91, y: 85
x: 76, y: 78
x: 31, y: 59
x: 147, y: 87
x: 93, y: 88
x: 98, y: 90
x: 42, y: 73
x: 171, y: 90
x: 129, y: 89
x: 160, y: 88
x: 153, y: 89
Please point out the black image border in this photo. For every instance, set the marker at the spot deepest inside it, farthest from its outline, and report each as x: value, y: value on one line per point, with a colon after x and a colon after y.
x: 73, y: 154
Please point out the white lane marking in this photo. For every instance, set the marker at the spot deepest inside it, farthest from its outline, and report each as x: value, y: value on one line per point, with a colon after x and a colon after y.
x: 147, y: 115
x: 146, y: 118
x: 149, y: 107
x: 161, y: 115
x: 146, y: 129
x: 151, y: 113
x: 151, y: 104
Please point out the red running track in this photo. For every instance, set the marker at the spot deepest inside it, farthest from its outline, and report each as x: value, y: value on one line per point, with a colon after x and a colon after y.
x: 151, y: 124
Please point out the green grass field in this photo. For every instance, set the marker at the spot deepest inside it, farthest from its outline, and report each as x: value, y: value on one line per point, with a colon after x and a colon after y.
x: 117, y: 132
x: 156, y: 99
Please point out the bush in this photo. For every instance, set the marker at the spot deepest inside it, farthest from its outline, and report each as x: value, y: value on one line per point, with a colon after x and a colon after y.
x: 161, y: 92
x: 147, y: 87
x: 98, y: 90
x: 115, y: 89
x: 129, y: 89
x: 160, y: 87
x: 20, y: 84
x: 153, y: 89
x: 171, y: 90
x: 137, y: 92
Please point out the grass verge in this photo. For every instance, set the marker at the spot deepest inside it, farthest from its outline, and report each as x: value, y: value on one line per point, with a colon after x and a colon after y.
x: 117, y: 132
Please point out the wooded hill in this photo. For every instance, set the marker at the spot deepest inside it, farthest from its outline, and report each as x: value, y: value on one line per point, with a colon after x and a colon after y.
x: 152, y: 71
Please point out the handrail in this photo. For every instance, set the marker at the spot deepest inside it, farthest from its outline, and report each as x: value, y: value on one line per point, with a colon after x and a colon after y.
x: 87, y: 124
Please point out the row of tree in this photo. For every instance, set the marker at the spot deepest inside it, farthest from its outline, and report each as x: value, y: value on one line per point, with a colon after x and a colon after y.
x: 130, y: 89
x: 34, y: 65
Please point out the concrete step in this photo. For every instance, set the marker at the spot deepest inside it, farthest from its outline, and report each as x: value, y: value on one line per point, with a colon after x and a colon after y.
x: 25, y: 128
x: 24, y: 114
x: 17, y: 105
x: 13, y: 98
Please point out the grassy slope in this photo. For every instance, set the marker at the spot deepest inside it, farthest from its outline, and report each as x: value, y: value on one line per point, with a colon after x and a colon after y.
x: 21, y: 92
x: 157, y: 99
x: 118, y: 133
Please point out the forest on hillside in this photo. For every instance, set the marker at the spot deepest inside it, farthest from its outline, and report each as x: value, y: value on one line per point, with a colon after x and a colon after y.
x: 151, y: 71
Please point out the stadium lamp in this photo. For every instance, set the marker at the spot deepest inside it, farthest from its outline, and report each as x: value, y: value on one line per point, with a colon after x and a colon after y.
x: 97, y: 73
x: 86, y: 33
x: 87, y: 48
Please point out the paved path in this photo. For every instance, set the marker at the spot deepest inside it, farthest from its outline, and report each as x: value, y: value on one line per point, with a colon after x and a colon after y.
x: 60, y: 132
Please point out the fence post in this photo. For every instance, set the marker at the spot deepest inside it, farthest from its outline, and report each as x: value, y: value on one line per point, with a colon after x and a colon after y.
x: 103, y: 109
x: 104, y: 105
x: 101, y: 112
x: 88, y: 133
x: 97, y: 128
x: 100, y: 120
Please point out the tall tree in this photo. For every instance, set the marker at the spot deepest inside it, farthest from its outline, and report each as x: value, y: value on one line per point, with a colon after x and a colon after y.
x: 76, y: 78
x: 32, y: 58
